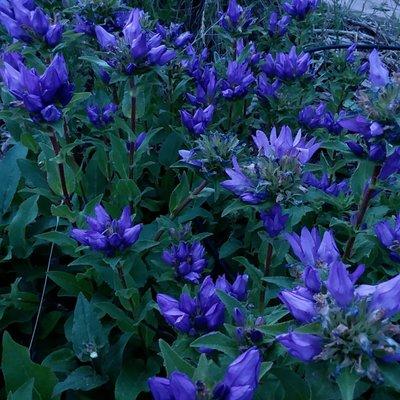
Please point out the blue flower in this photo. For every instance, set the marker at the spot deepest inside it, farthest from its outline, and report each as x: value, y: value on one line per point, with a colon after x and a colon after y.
x: 303, y: 346
x: 324, y: 184
x: 300, y: 8
x: 301, y: 306
x: 340, y: 285
x: 187, y: 259
x: 274, y: 220
x: 278, y: 26
x: 197, y: 123
x: 101, y: 116
x: 108, y: 235
x: 238, y: 79
x: 378, y: 73
x: 389, y: 235
x: 177, y: 387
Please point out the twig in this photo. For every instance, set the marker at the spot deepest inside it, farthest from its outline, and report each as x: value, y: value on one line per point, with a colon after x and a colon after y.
x: 362, y: 209
x: 63, y: 181
x: 345, y: 46
x: 46, y: 278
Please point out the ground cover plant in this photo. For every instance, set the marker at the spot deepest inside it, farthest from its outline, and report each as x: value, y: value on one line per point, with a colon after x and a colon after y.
x: 192, y: 214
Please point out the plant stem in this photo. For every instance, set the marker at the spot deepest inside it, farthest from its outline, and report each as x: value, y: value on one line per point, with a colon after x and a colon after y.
x: 267, y: 266
x: 63, y: 181
x: 133, y: 104
x: 182, y: 205
x: 362, y: 209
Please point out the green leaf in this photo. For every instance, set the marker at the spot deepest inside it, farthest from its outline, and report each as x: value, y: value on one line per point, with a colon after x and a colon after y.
x: 295, y: 387
x: 180, y: 193
x: 88, y: 337
x: 25, y: 392
x: 10, y: 175
x: 26, y: 214
x: 173, y: 361
x: 347, y: 381
x: 217, y: 341
x: 119, y: 156
x: 83, y: 378
x: 18, y: 369
x: 360, y: 177
x: 69, y: 283
x: 391, y: 373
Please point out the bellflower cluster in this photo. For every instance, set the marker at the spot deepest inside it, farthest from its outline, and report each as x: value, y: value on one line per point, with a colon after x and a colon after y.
x: 101, y: 116
x: 197, y: 123
x: 213, y: 152
x: 247, y: 331
x: 205, y: 312
x: 139, y: 49
x: 300, y: 8
x: 41, y: 95
x: 247, y: 52
x: 326, y: 185
x: 319, y: 117
x: 238, y: 80
x: 286, y: 66
x: 274, y: 220
x: 108, y: 235
x: 267, y: 89
x: 355, y: 323
x: 277, y: 169
x: 206, y: 87
x: 239, y: 382
x: 24, y: 21
x: 278, y: 26
x: 236, y: 18
x: 388, y: 233
x: 188, y: 260
x: 174, y: 34
x: 194, y: 63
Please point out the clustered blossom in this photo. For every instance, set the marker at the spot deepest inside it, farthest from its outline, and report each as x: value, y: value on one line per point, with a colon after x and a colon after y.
x: 41, y: 95
x: 108, y: 235
x: 205, y: 312
x: 140, y: 49
x: 355, y: 322
x: 236, y: 18
x: 319, y: 117
x: 24, y: 21
x: 101, y: 116
x: 197, y: 123
x: 326, y: 185
x: 278, y: 26
x: 388, y: 233
x: 174, y: 34
x: 300, y: 8
x: 206, y: 87
x: 188, y: 259
x: 238, y: 79
x: 276, y: 169
x: 266, y: 88
x: 274, y: 220
x: 239, y: 382
x: 247, y: 331
x: 286, y: 66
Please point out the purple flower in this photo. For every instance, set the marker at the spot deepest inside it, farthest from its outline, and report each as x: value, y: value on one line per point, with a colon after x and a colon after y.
x: 324, y: 184
x: 286, y: 66
x: 340, y: 285
x: 300, y: 8
x: 312, y: 280
x: 242, y: 186
x: 283, y: 145
x: 391, y: 165
x: 363, y: 126
x: 238, y: 79
x: 311, y: 250
x: 252, y: 56
x: 265, y: 89
x: 106, y: 40
x: 177, y: 387
x: 101, y: 116
x: 238, y: 289
x: 274, y: 220
x: 202, y: 314
x: 193, y: 64
x: 350, y: 56
x: 278, y: 26
x: 39, y: 94
x: 302, y: 308
x: 206, y: 87
x: 303, y: 346
x: 386, y: 296
x: 108, y: 235
x: 378, y: 73
x: 23, y: 20
x: 197, y: 123
x: 187, y: 259
x: 183, y: 39
x: 241, y: 377
x: 236, y: 17
x: 319, y: 117
x: 389, y: 235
